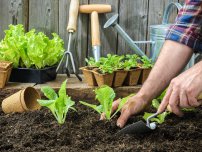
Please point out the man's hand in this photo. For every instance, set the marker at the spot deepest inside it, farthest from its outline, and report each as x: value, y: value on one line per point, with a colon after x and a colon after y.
x: 183, y: 91
x: 134, y: 105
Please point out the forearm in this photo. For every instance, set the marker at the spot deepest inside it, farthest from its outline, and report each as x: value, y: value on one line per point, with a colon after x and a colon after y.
x: 172, y: 59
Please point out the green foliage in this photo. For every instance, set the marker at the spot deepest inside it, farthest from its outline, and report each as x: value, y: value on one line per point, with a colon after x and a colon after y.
x: 31, y: 49
x: 146, y: 63
x: 105, y: 95
x: 131, y: 61
x: 59, y: 104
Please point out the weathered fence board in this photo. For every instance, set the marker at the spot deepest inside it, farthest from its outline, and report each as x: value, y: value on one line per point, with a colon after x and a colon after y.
x: 135, y: 17
x: 43, y: 15
x: 12, y: 12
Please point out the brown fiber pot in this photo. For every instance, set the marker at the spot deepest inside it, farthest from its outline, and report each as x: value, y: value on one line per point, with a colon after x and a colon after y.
x: 89, y: 76
x: 23, y: 100
x: 132, y: 77
x: 119, y: 78
x: 103, y: 79
x: 144, y: 75
x: 5, y: 72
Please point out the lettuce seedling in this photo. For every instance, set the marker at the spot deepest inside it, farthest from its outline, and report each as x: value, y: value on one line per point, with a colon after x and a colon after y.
x: 59, y: 104
x: 147, y: 63
x: 105, y: 95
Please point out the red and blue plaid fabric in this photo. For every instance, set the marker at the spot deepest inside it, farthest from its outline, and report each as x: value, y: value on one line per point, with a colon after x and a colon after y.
x: 188, y: 26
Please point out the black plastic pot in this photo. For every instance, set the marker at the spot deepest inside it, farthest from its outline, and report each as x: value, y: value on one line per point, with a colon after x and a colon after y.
x: 33, y: 75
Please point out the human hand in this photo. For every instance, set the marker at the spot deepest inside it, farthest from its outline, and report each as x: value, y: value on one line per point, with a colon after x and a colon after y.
x: 183, y: 91
x: 134, y: 105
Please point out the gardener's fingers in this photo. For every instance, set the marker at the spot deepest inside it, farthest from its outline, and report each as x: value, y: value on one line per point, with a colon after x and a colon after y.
x: 165, y: 101
x: 193, y: 101
x: 174, y: 103
x: 125, y: 114
x: 115, y: 105
x: 183, y: 100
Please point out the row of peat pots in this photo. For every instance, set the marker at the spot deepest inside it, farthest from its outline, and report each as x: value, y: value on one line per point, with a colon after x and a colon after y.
x: 118, y: 78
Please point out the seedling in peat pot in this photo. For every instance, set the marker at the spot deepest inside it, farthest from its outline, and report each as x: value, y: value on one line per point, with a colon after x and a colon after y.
x: 105, y: 95
x: 59, y: 104
x: 147, y: 63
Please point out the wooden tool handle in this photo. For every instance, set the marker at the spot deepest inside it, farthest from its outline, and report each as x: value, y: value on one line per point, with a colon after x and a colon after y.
x: 73, y: 14
x: 95, y: 29
x: 198, y: 98
x: 100, y: 8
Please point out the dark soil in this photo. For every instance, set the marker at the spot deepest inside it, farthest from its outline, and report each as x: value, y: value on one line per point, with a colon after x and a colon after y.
x: 39, y: 131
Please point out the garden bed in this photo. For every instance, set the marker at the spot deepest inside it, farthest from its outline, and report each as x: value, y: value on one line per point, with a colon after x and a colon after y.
x: 39, y: 131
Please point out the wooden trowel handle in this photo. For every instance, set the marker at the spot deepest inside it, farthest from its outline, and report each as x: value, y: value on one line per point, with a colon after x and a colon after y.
x: 73, y: 14
x: 95, y: 29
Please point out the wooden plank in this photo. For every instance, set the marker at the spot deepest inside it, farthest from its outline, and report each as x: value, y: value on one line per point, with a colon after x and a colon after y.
x: 79, y: 45
x: 108, y: 36
x: 133, y: 19
x: 80, y: 90
x: 43, y: 15
x: 12, y: 12
x: 156, y: 11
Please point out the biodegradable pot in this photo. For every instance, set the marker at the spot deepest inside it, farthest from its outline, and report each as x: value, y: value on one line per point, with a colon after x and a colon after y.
x: 39, y: 76
x: 5, y: 71
x: 144, y: 75
x: 103, y: 79
x: 4, y: 77
x: 89, y: 76
x: 23, y: 100
x: 132, y: 77
x: 119, y: 77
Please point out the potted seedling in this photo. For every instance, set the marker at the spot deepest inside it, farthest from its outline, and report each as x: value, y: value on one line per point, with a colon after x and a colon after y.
x: 132, y: 66
x: 120, y: 73
x: 106, y: 95
x: 88, y: 71
x: 34, y: 55
x: 59, y: 104
x: 5, y: 71
x: 104, y: 75
x: 146, y: 67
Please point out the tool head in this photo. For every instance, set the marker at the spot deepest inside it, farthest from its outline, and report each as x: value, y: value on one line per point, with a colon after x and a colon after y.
x: 112, y: 21
x: 137, y: 128
x: 100, y: 8
x: 96, y: 52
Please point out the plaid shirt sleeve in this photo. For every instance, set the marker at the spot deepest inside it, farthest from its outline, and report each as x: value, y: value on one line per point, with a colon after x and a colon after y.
x: 188, y: 26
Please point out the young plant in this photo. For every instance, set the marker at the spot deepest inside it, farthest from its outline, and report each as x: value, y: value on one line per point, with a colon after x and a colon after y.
x: 91, y: 62
x: 59, y: 104
x: 131, y: 61
x: 146, y: 63
x: 105, y: 95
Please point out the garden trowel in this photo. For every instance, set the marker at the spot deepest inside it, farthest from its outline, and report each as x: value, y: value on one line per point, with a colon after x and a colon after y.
x: 141, y: 127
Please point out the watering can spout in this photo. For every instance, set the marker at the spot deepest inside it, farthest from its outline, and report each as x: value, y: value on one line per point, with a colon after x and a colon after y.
x: 112, y: 22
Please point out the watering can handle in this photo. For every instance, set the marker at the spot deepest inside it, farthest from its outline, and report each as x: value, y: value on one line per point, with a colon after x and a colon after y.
x: 166, y: 14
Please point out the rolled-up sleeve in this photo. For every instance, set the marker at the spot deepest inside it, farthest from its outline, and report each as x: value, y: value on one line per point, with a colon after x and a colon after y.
x: 188, y: 26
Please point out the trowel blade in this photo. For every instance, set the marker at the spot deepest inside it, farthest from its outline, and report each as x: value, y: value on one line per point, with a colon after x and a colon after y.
x: 136, y: 128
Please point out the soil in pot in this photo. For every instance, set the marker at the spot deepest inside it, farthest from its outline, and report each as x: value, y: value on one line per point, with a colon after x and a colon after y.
x: 119, y: 77
x: 89, y: 76
x: 132, y: 77
x: 103, y: 79
x: 83, y: 132
x: 144, y: 75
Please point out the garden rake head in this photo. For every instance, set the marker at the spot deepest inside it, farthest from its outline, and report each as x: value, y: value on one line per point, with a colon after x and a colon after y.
x: 71, y: 28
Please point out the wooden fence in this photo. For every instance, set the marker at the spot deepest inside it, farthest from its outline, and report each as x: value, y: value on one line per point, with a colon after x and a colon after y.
x: 135, y: 16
